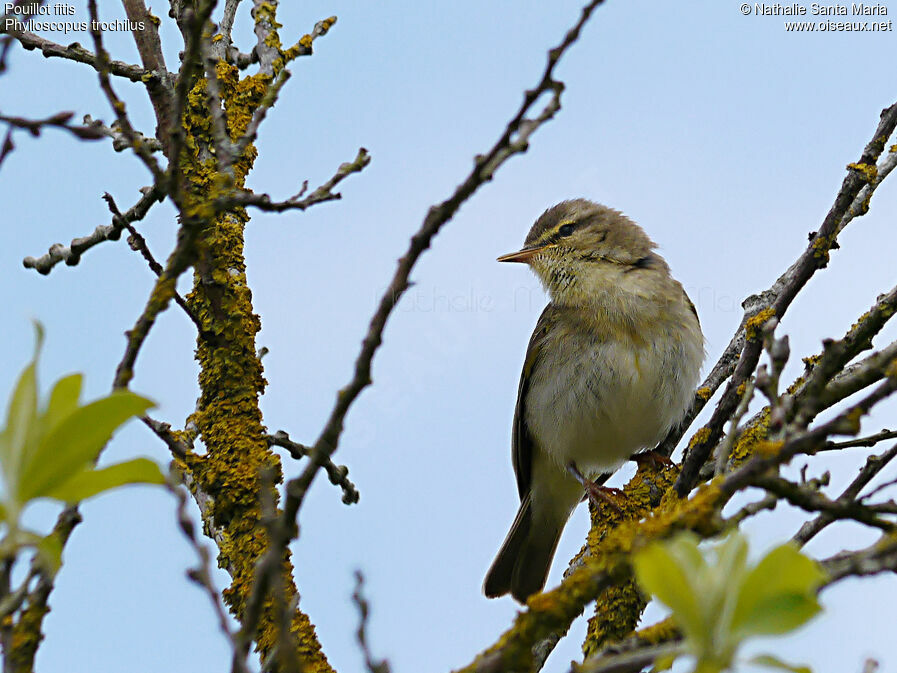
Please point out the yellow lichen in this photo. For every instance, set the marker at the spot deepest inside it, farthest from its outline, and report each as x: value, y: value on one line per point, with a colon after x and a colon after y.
x: 821, y: 248
x: 869, y: 172
x: 704, y: 393
x: 754, y: 326
x: 750, y: 437
x: 553, y: 611
x: 811, y: 360
x: 701, y: 436
x: 662, y: 632
x: 618, y: 608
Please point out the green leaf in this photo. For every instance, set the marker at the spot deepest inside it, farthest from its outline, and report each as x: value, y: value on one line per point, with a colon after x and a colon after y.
x: 684, y: 548
x: 779, y: 594
x: 91, y: 482
x: 76, y: 441
x: 19, y: 425
x: 770, y: 661
x: 662, y: 575
x: 63, y: 399
x: 777, y: 615
x: 721, y: 582
x: 731, y: 558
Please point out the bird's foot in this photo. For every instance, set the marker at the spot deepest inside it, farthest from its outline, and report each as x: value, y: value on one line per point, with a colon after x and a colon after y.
x: 597, y: 494
x: 651, y: 457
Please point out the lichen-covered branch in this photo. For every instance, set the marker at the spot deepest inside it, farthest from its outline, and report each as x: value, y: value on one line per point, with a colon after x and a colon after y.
x: 775, y: 301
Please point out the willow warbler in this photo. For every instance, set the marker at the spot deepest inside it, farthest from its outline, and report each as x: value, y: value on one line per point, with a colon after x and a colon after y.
x: 609, y: 370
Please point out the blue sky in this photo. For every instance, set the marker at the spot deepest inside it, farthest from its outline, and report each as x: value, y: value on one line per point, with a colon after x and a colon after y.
x: 723, y: 135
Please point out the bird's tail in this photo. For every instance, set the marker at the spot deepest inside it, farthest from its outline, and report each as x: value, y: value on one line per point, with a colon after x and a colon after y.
x: 521, y: 566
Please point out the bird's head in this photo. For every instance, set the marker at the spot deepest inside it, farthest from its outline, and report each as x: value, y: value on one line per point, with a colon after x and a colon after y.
x: 578, y: 247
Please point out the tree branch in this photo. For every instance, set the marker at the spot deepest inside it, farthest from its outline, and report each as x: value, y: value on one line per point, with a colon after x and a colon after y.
x: 71, y: 254
x: 778, y: 298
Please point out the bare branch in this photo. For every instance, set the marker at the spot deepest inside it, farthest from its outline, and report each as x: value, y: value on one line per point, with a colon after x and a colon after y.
x: 35, y: 126
x: 216, y: 109
x: 629, y: 662
x: 874, y: 465
x: 71, y: 254
x: 138, y: 244
x: 869, y: 441
x: 338, y: 474
x: 118, y: 106
x: 322, y: 194
x: 813, y: 501
x: 178, y: 448
x: 361, y: 634
x: 75, y: 52
x: 119, y: 142
x: 146, y: 36
x: 265, y: 29
x: 879, y: 557
x: 227, y: 21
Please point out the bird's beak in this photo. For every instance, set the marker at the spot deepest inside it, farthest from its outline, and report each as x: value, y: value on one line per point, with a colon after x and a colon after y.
x: 523, y: 255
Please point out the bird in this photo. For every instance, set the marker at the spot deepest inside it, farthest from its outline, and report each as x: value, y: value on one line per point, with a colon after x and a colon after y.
x: 610, y: 369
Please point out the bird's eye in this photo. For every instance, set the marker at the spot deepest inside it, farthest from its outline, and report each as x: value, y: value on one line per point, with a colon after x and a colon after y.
x: 566, y: 230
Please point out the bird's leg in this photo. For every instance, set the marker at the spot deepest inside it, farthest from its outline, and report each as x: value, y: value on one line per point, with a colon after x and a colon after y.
x: 653, y: 457
x: 597, y: 494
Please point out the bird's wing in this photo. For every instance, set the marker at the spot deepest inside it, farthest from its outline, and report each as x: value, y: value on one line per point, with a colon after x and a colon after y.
x: 521, y: 438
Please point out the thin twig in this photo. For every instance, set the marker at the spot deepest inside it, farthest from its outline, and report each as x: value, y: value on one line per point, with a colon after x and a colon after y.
x: 118, y: 106
x: 775, y: 301
x: 812, y: 501
x: 75, y: 52
x: 361, y: 634
x: 868, y: 441
x: 71, y: 254
x: 338, y: 474
x: 322, y: 194
x: 119, y: 142
x: 874, y: 465
x: 178, y: 447
x: 139, y: 244
x: 201, y: 575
